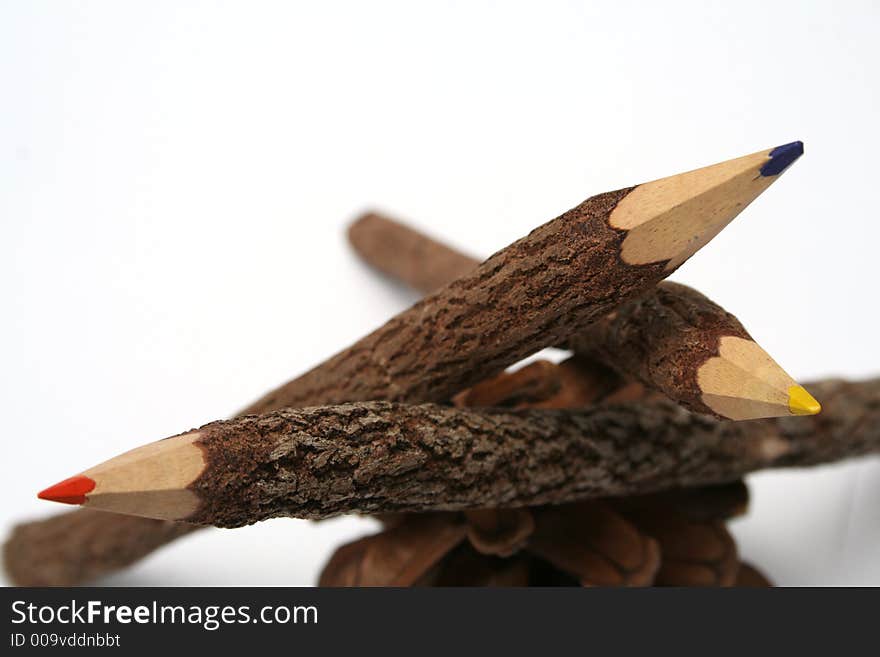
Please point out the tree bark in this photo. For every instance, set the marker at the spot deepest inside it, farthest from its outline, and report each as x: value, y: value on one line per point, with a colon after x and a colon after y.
x: 378, y: 457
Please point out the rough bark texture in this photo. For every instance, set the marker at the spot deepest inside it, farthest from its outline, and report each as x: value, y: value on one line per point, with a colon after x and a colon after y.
x: 380, y: 457
x: 660, y: 338
x: 406, y: 254
x: 539, y: 291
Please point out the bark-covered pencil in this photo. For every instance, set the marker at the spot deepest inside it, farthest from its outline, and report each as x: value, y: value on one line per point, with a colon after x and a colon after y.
x: 671, y: 338
x: 380, y: 457
x: 543, y: 289
x: 71, y: 548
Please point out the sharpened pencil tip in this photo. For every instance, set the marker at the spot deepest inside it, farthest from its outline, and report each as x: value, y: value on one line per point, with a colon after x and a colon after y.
x: 69, y: 491
x: 781, y: 158
x: 801, y: 402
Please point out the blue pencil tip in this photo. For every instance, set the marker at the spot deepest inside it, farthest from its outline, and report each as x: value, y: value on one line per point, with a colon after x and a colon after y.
x: 781, y: 158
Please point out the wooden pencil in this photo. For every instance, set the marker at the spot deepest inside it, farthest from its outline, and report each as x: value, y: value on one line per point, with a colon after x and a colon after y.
x: 696, y: 353
x: 380, y: 457
x: 671, y: 338
x: 72, y: 548
x: 543, y: 289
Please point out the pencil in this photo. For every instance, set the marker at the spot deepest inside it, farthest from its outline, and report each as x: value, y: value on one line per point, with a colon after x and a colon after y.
x: 541, y: 290
x: 380, y: 457
x: 696, y: 353
x: 671, y: 338
x: 71, y: 548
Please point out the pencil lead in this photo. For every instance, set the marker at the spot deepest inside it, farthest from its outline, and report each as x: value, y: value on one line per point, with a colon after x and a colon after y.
x: 782, y: 157
x: 69, y: 491
x: 802, y: 402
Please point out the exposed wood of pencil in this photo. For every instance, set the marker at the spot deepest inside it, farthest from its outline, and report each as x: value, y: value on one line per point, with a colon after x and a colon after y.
x: 672, y: 337
x: 379, y: 457
x: 541, y: 290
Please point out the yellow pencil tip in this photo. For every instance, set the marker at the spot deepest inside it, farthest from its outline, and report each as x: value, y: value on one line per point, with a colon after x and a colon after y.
x: 801, y: 402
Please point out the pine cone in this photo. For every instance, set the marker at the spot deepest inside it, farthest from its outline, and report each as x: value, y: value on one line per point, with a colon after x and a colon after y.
x: 670, y: 539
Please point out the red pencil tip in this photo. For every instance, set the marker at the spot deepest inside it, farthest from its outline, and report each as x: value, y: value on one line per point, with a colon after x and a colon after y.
x: 69, y: 491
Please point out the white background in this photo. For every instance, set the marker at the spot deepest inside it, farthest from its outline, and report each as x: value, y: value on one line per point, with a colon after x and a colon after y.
x: 177, y: 177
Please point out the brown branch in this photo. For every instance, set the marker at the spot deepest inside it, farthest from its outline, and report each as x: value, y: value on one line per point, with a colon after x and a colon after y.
x: 378, y: 457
